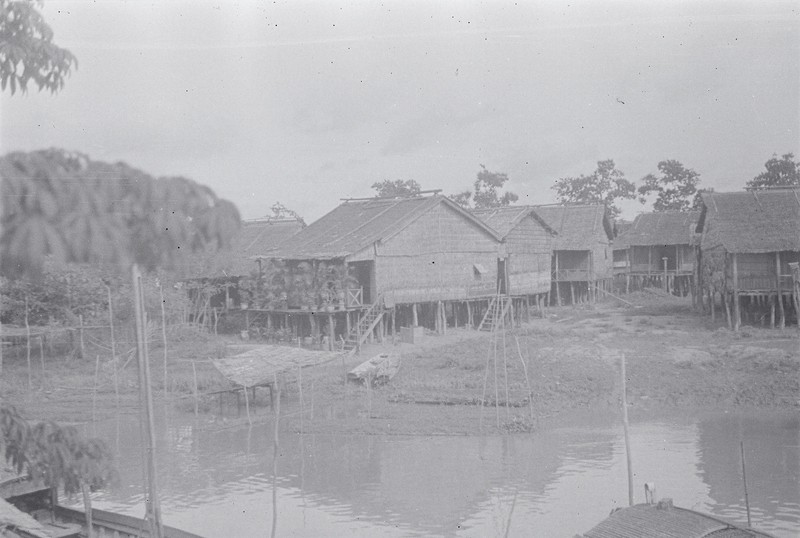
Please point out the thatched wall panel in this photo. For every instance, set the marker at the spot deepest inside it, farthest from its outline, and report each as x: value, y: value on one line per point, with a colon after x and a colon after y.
x: 434, y: 259
x: 528, y: 247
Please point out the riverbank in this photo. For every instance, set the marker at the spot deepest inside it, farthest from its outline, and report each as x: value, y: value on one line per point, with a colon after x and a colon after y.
x: 568, y: 360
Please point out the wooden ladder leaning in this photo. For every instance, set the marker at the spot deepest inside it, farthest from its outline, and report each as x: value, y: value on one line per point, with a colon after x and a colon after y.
x: 499, y: 309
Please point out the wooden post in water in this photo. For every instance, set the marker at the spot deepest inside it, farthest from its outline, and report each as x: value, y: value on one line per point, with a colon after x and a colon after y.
x: 779, y: 292
x: 744, y: 479
x: 152, y: 507
x: 737, y: 316
x: 625, y: 428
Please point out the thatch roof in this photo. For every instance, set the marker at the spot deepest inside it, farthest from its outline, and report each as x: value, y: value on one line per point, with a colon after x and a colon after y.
x: 658, y: 521
x: 357, y: 224
x: 16, y: 520
x: 256, y: 238
x: 751, y: 221
x: 504, y: 219
x: 661, y: 228
x: 259, y: 364
x: 579, y: 227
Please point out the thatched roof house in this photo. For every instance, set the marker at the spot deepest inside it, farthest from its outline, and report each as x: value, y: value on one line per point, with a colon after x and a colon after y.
x: 748, y: 240
x: 258, y: 237
x: 527, y: 248
x: 406, y: 250
x: 658, y: 235
x: 582, y: 246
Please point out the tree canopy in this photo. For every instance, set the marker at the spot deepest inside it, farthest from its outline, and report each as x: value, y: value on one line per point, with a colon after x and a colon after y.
x: 783, y: 172
x: 397, y: 188
x: 603, y: 186
x: 675, y: 186
x: 27, y: 51
x: 486, y: 191
x: 64, y: 205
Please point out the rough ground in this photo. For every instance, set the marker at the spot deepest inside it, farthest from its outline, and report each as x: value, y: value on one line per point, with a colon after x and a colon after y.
x: 675, y: 359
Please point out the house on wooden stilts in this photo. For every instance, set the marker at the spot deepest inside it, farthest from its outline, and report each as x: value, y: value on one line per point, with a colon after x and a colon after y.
x: 749, y: 241
x: 213, y: 281
x: 582, y: 259
x: 416, y: 261
x: 524, y: 259
x: 661, y: 251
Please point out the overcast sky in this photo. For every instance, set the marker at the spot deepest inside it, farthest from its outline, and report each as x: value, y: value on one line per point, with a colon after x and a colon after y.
x: 307, y: 103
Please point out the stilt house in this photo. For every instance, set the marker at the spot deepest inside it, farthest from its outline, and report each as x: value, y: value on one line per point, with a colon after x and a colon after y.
x: 582, y: 259
x: 661, y: 250
x: 524, y: 266
x: 222, y: 271
x: 420, y: 259
x: 748, y: 241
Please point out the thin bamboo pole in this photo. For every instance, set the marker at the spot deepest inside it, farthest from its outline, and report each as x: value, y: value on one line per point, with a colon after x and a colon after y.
x: 275, y: 448
x: 164, y: 335
x: 83, y: 350
x: 41, y: 359
x: 744, y: 480
x: 779, y: 292
x: 737, y: 320
x: 527, y: 380
x: 247, y: 405
x: 153, y: 508
x: 94, y: 395
x: 28, y: 343
x: 628, y: 458
x: 113, y: 346
x: 194, y: 376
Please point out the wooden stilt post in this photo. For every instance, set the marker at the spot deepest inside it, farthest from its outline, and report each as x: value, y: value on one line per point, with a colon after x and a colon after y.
x: 572, y: 292
x: 414, y: 315
x: 737, y: 320
x: 331, y: 332
x: 557, y: 279
x: 712, y: 299
x: 727, y: 310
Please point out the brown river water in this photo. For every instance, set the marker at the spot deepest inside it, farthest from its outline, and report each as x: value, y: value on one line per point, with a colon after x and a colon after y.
x: 559, y: 481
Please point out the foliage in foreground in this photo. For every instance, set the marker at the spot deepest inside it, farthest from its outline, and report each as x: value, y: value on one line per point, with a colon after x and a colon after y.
x: 27, y: 51
x: 58, y: 455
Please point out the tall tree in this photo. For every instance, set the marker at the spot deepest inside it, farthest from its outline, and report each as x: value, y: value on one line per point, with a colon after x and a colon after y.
x: 398, y: 188
x: 675, y: 186
x: 74, y: 209
x: 783, y: 172
x: 603, y: 186
x: 27, y: 51
x: 486, y: 191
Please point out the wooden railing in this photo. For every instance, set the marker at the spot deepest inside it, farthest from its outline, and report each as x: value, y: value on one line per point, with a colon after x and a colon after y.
x: 354, y: 297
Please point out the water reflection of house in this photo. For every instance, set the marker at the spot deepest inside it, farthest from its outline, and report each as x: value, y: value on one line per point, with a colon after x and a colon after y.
x: 582, y: 250
x: 659, y: 251
x: 409, y: 261
x: 748, y: 241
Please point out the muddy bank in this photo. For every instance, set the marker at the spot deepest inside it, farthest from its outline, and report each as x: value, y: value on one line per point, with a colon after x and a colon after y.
x: 570, y: 360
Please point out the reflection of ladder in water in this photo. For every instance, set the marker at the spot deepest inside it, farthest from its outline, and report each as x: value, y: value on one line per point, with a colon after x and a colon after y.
x: 499, y: 309
x: 366, y: 324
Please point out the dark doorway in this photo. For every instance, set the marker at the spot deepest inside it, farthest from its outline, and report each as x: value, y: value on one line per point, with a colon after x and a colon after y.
x: 364, y: 272
x: 502, y: 277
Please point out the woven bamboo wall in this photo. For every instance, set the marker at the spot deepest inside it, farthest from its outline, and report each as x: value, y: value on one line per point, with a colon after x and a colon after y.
x: 434, y: 259
x: 603, y: 260
x: 529, y: 251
